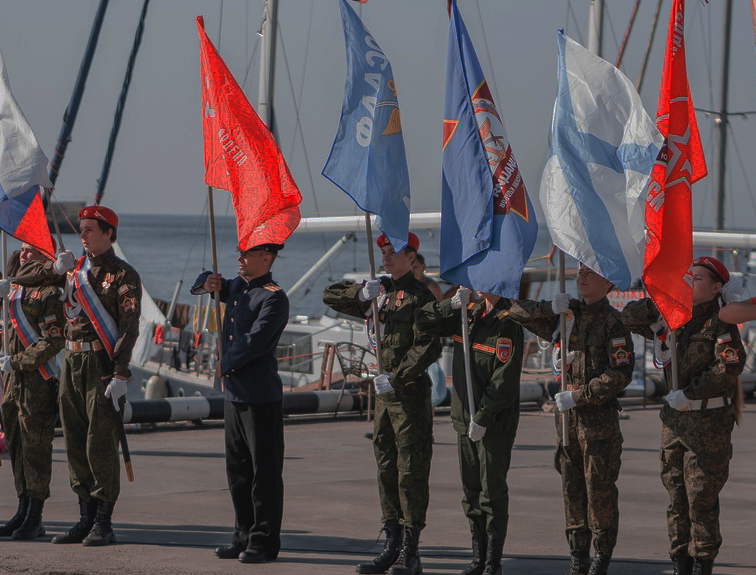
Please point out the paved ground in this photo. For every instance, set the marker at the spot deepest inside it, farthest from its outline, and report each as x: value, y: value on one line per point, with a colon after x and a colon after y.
x: 169, y: 520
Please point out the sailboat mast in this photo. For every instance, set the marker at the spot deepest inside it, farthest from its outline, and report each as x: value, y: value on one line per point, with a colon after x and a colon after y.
x: 268, y: 64
x: 724, y: 92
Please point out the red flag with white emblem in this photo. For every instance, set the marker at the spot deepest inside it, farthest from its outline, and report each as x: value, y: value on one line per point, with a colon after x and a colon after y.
x: 669, y: 228
x: 242, y: 157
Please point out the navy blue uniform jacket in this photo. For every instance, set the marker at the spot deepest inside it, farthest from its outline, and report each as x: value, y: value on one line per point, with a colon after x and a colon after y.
x: 256, y: 314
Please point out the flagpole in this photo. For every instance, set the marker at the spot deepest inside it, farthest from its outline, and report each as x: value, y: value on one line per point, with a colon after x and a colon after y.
x: 563, y: 354
x: 468, y: 368
x: 211, y: 215
x: 673, y: 358
x: 6, y: 301
x: 61, y: 245
x: 376, y: 321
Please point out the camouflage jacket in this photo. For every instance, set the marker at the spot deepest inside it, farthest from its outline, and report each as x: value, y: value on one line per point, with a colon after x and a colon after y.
x: 406, y: 353
x: 119, y: 288
x: 44, y: 311
x: 710, y: 355
x: 604, y: 359
x: 496, y: 362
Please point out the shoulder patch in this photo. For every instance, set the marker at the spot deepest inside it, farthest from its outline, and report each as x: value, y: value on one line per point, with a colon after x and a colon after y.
x: 621, y: 356
x: 724, y: 338
x: 619, y: 342
x: 730, y: 355
x: 272, y: 287
x: 504, y: 349
x: 54, y: 331
x: 123, y: 289
x: 50, y: 318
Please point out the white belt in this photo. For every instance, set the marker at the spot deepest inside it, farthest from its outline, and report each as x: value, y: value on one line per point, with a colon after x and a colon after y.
x: 713, y: 403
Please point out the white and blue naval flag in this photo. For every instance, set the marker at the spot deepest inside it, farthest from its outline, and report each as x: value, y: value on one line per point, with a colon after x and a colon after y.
x: 602, y: 148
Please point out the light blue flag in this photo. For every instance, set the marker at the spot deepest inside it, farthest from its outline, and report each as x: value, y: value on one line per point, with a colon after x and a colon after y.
x: 602, y: 148
x: 367, y: 159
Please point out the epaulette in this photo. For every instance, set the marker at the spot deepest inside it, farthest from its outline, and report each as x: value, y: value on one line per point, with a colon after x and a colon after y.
x: 272, y: 287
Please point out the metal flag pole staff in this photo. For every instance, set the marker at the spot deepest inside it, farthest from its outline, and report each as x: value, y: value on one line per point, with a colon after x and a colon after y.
x: 374, y: 303
x: 466, y: 348
x: 61, y: 245
x: 211, y: 215
x: 673, y: 358
x: 6, y: 302
x: 563, y: 355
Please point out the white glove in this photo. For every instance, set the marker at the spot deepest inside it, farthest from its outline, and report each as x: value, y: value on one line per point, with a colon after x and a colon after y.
x: 564, y: 400
x: 5, y: 364
x: 4, y: 287
x: 476, y: 432
x: 116, y: 390
x: 371, y: 290
x: 64, y: 262
x: 461, y: 298
x: 560, y: 303
x: 382, y: 384
x: 678, y: 401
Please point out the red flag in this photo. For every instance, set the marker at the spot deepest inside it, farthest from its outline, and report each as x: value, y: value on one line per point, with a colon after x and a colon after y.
x: 242, y: 157
x: 669, y: 247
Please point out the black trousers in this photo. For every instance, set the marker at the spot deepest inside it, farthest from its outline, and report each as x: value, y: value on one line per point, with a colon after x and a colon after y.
x: 254, y: 469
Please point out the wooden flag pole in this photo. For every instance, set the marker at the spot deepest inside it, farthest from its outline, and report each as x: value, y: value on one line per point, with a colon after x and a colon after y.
x: 468, y: 368
x: 218, y: 319
x: 563, y: 354
x: 376, y: 321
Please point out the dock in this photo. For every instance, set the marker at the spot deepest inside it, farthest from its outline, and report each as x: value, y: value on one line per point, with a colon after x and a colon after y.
x: 169, y: 520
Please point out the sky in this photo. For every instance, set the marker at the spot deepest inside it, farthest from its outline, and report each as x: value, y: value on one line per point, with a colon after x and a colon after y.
x: 158, y: 167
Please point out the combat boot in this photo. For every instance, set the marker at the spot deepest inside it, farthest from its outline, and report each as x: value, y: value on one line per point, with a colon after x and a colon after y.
x: 703, y: 566
x: 600, y: 564
x: 580, y: 562
x: 77, y: 533
x: 478, y: 562
x: 16, y: 521
x: 493, y: 557
x: 32, y: 526
x: 388, y: 556
x: 102, y: 530
x: 408, y: 562
x: 683, y: 564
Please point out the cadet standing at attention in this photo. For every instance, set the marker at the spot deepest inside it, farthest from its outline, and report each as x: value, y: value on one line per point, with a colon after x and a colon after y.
x: 30, y: 397
x: 600, y: 356
x: 403, y: 430
x: 698, y: 418
x: 485, y: 445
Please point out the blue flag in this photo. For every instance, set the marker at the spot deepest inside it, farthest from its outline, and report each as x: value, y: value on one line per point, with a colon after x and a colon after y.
x: 367, y: 159
x: 488, y: 227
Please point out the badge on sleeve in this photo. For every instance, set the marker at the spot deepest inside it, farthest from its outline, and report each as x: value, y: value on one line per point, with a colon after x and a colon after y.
x: 128, y: 304
x: 729, y: 354
x: 621, y: 356
x: 504, y: 349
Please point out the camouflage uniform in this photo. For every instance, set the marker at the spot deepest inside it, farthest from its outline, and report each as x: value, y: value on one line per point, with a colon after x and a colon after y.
x: 30, y: 400
x: 88, y: 425
x: 696, y: 445
x: 496, y: 361
x: 403, y: 430
x: 590, y: 465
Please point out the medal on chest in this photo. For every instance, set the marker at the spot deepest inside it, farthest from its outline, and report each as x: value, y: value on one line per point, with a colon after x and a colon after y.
x: 108, y: 280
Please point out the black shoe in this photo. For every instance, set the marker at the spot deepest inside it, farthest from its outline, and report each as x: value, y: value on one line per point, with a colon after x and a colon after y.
x: 600, y: 564
x: 493, y: 557
x: 388, y: 556
x: 102, y: 530
x: 703, y: 566
x: 252, y: 555
x: 478, y: 563
x: 228, y: 551
x: 408, y: 562
x: 16, y: 521
x: 77, y: 533
x: 683, y: 564
x: 32, y: 526
x: 580, y: 562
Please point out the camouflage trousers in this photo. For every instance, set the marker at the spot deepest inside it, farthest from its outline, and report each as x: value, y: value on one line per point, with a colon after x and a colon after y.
x: 483, y: 466
x: 89, y: 429
x: 403, y: 446
x: 695, y: 454
x: 589, y: 467
x: 29, y: 411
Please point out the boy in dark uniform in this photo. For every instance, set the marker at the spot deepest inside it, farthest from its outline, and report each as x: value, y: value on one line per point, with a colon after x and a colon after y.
x: 698, y: 418
x: 403, y: 430
x: 485, y: 444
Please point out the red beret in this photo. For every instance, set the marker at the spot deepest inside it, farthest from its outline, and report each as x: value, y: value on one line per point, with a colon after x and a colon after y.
x: 412, y: 241
x: 95, y: 212
x: 715, y: 266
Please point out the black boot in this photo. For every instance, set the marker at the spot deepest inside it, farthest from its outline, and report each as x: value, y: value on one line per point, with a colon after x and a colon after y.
x: 478, y: 562
x: 408, y: 562
x: 32, y: 526
x: 493, y: 557
x: 387, y: 557
x: 77, y: 533
x: 683, y: 564
x: 580, y: 562
x: 600, y: 564
x: 703, y: 566
x: 102, y: 530
x: 16, y: 521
